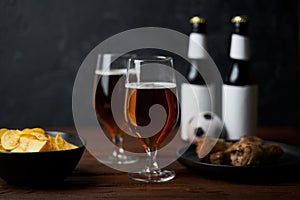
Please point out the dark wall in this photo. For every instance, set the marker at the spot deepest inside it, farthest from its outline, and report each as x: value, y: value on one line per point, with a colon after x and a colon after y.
x: 42, y: 44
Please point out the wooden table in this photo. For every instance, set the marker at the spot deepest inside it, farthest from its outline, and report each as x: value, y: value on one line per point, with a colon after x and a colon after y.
x: 93, y: 180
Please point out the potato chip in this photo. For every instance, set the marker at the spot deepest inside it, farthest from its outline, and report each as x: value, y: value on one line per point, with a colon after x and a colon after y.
x: 10, y: 139
x: 2, y: 149
x: 29, y: 143
x: 30, y: 130
x: 39, y: 136
x: 61, y: 144
x: 26, y: 130
x: 2, y: 130
x: 51, y: 143
x: 31, y: 140
x: 37, y: 132
x: 68, y: 146
x: 18, y: 149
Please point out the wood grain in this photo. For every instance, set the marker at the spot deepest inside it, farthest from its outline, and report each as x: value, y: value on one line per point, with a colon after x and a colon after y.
x: 93, y: 180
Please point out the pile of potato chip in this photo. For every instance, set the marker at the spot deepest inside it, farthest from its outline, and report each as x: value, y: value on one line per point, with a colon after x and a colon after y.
x: 31, y: 140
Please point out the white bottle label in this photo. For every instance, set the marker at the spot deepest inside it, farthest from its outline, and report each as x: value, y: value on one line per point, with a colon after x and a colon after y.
x: 197, y: 46
x: 194, y: 99
x: 239, y: 110
x: 240, y: 47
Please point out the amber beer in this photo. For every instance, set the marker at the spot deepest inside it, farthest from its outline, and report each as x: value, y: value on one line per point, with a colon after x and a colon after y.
x: 142, y: 96
x: 107, y: 83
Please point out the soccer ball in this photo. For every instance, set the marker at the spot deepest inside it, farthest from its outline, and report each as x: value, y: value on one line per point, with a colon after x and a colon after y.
x: 204, y: 124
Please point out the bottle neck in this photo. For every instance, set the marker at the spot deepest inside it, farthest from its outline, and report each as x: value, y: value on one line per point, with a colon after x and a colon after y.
x: 240, y: 28
x: 193, y: 75
x: 199, y: 28
x: 240, y: 74
x: 197, y: 46
x: 239, y: 47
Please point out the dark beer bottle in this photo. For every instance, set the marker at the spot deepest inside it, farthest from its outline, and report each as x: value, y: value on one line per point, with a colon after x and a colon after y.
x: 195, y: 54
x: 240, y: 88
x: 195, y: 96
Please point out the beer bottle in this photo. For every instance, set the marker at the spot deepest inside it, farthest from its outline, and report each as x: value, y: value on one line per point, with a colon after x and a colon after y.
x: 195, y: 95
x: 239, y: 103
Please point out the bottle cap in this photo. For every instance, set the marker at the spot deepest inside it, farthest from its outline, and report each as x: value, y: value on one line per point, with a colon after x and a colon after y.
x: 198, y: 20
x: 240, y: 19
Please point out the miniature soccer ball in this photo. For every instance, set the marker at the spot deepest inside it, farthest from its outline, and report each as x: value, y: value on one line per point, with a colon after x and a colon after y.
x: 204, y: 124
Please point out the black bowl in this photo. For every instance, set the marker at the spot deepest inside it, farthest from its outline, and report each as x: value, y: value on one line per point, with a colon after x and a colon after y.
x: 41, y: 168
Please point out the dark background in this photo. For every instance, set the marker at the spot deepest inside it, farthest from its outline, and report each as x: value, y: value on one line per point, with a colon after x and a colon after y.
x: 42, y: 44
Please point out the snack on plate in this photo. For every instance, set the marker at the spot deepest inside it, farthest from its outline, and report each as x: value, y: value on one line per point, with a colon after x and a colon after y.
x: 249, y: 150
x: 31, y: 140
x: 220, y: 146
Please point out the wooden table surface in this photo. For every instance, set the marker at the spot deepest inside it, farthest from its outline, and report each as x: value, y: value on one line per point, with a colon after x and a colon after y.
x: 93, y: 180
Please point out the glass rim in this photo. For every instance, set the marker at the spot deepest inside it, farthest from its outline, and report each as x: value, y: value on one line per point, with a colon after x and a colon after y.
x: 150, y: 58
x: 104, y: 60
x: 117, y: 55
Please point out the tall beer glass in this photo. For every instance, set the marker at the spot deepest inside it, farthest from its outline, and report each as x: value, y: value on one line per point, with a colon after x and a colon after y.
x: 152, y: 110
x: 109, y: 70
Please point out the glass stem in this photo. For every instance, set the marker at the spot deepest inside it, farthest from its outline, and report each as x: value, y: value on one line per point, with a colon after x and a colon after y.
x: 151, y: 163
x: 118, y: 151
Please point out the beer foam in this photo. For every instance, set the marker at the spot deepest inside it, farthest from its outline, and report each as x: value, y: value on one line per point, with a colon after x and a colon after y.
x: 150, y: 85
x: 111, y: 72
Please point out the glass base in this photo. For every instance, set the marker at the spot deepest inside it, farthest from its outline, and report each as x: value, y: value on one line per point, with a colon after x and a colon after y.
x: 158, y: 176
x: 119, y: 160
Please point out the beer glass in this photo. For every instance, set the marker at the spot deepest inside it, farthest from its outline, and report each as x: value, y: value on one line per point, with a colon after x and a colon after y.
x: 152, y: 110
x: 109, y: 71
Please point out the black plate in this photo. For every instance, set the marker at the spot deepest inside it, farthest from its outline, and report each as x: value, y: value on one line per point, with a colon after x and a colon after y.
x: 287, y: 167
